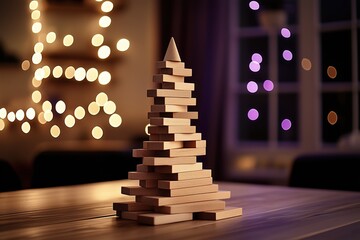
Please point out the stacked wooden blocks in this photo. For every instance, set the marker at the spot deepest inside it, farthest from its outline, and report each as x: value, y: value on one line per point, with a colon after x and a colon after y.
x: 174, y: 187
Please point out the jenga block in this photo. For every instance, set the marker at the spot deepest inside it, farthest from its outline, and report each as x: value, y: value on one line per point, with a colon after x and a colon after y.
x: 131, y: 206
x: 185, y: 72
x: 168, y: 108
x: 179, y: 86
x: 171, y: 129
x: 188, y: 191
x: 175, y: 101
x: 169, y: 121
x: 146, y: 176
x: 168, y: 93
x: 172, y: 53
x: 176, y: 137
x: 144, y: 168
x: 195, y: 144
x: 170, y: 64
x: 159, y: 219
x: 166, y: 184
x: 228, y: 212
x: 179, y: 168
x: 187, y: 115
x: 148, y: 183
x: 162, y: 201
x: 160, y: 78
x: 131, y: 215
x: 159, y: 161
x: 181, y: 152
x: 139, y: 191
x: 192, y: 207
x: 161, y: 145
x: 189, y: 175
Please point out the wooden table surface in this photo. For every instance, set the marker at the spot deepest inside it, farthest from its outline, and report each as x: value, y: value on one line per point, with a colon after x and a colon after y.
x: 270, y: 212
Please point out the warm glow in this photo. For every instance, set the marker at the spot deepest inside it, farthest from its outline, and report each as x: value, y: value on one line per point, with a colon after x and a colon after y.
x: 36, y: 96
x: 306, y: 64
x: 36, y: 27
x: 48, y: 115
x: 35, y: 15
x: 36, y: 58
x: 93, y: 108
x: 36, y: 83
x: 92, y: 74
x: 147, y: 129
x: 104, y: 52
x: 20, y: 114
x: 50, y: 37
x: 123, y: 45
x: 33, y: 5
x: 109, y: 107
x: 46, y: 106
x: 47, y: 71
x: 30, y: 113
x: 115, y: 120
x: 331, y: 72
x: 60, y: 107
x: 57, y: 71
x: 332, y: 117
x: 104, y: 21
x: 55, y: 131
x: 69, y: 121
x: 101, y: 99
x: 97, y: 132
x: 39, y: 74
x: 2, y: 124
x: 79, y: 112
x: 25, y: 127
x: 68, y: 40
x: 25, y: 65
x: 69, y: 72
x: 11, y: 116
x: 38, y: 47
x: 3, y: 113
x: 41, y: 118
x: 97, y: 40
x: 80, y: 74
x: 107, y: 6
x: 104, y: 77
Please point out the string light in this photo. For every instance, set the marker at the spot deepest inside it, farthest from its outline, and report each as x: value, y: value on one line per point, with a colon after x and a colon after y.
x: 104, y: 21
x: 3, y: 113
x: 69, y: 121
x: 33, y: 5
x: 79, y: 112
x: 36, y: 96
x: 104, y: 52
x: 11, y: 116
x: 57, y: 72
x: 38, y: 47
x: 97, y: 132
x: 60, y: 107
x: 109, y: 107
x: 35, y: 15
x: 2, y: 125
x: 25, y: 65
x: 97, y: 40
x: 46, y: 70
x: 101, y: 99
x: 123, y: 44
x: 30, y: 113
x: 93, y: 108
x: 20, y: 115
x: 68, y: 40
x: 107, y: 6
x: 104, y: 78
x: 80, y: 74
x: 92, y: 74
x: 70, y: 72
x: 115, y: 120
x: 50, y: 37
x: 55, y: 131
x: 25, y: 127
x: 36, y: 27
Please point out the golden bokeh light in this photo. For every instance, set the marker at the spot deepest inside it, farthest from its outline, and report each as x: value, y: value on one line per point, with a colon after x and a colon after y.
x: 33, y: 5
x: 25, y: 65
x: 11, y: 116
x: 107, y: 6
x: 70, y: 72
x: 104, y: 21
x: 46, y: 106
x: 39, y: 74
x: 57, y: 72
x: 101, y: 99
x: 30, y: 113
x: 36, y: 96
x: 104, y: 78
x: 97, y: 132
x: 109, y: 107
x: 36, y: 27
x: 38, y: 47
x: 93, y: 108
x: 41, y: 118
x: 80, y: 74
x: 79, y: 112
x: 47, y: 71
x: 147, y: 129
x: 68, y: 40
x: 35, y: 15
x: 104, y: 52
x: 20, y: 115
x: 25, y: 127
x: 331, y: 72
x: 48, y: 115
x: 2, y: 125
x: 60, y: 107
x: 332, y: 117
x: 97, y: 40
x: 36, y: 58
x: 123, y: 44
x: 115, y: 120
x: 36, y: 83
x: 3, y: 113
x: 69, y: 121
x: 92, y: 74
x: 55, y: 131
x: 50, y: 37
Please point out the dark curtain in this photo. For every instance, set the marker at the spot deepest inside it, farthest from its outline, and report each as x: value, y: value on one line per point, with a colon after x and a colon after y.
x: 200, y: 29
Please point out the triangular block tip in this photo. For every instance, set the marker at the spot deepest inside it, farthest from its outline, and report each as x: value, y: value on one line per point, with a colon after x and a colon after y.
x: 172, y: 53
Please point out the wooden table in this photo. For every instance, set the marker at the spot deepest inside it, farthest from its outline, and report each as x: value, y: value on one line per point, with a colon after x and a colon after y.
x: 85, y: 212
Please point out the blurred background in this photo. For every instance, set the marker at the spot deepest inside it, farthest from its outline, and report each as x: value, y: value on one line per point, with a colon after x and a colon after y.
x: 276, y: 81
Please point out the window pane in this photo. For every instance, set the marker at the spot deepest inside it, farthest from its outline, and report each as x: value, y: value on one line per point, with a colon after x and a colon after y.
x: 247, y: 47
x: 336, y: 56
x: 287, y: 57
x: 288, y: 117
x: 335, y: 10
x: 247, y: 16
x: 253, y: 117
x: 336, y: 115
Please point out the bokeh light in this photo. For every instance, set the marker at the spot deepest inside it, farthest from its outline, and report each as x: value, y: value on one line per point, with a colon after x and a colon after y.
x: 123, y: 44
x: 69, y: 121
x: 36, y: 27
x: 3, y: 113
x: 33, y: 5
x: 20, y: 115
x: 107, y: 6
x: 109, y: 107
x: 332, y: 117
x: 38, y: 47
x: 115, y: 120
x: 93, y: 108
x: 46, y: 106
x: 92, y: 74
x: 48, y: 115
x: 57, y: 72
x: 331, y: 72
x: 68, y: 40
x: 55, y: 131
x: 253, y: 114
x: 268, y: 85
x: 104, y: 52
x: 70, y: 72
x: 25, y: 127
x: 25, y: 65
x: 36, y: 58
x: 252, y: 87
x: 97, y: 132
x: 11, y: 117
x: 60, y: 107
x: 257, y: 57
x: 287, y: 55
x: 35, y: 15
x: 104, y: 78
x: 285, y: 33
x: 104, y: 21
x: 46, y: 70
x: 254, y: 5
x: 254, y: 66
x: 2, y: 125
x: 97, y: 40
x: 39, y: 74
x: 147, y: 129
x: 306, y: 64
x: 80, y: 74
x: 36, y: 96
x: 79, y: 112
x: 50, y: 37
x: 286, y: 124
x: 101, y: 99
x: 41, y: 118
x: 30, y: 113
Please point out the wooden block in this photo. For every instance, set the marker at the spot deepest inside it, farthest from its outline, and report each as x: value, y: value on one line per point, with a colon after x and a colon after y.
x: 146, y: 176
x: 189, y: 175
x: 169, y: 121
x: 159, y: 219
x: 172, y: 53
x: 181, y: 152
x: 166, y: 184
x: 171, y: 129
x: 144, y: 168
x: 179, y: 86
x: 148, y: 183
x: 176, y: 137
x: 131, y: 206
x: 175, y: 101
x: 168, y: 93
x: 228, y: 212
x: 159, y: 161
x: 184, y: 72
x: 186, y: 115
x: 132, y: 215
x: 160, y: 78
x: 162, y: 201
x: 192, y: 207
x: 179, y: 168
x: 161, y: 145
x: 139, y: 191
x: 195, y: 144
x: 168, y: 108
x: 170, y: 64
x: 188, y: 191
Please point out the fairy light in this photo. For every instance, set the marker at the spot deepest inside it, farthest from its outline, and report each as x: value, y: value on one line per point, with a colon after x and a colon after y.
x: 3, y: 113
x: 107, y: 6
x: 60, y: 107
x: 252, y: 87
x: 80, y: 74
x: 41, y: 118
x: 68, y: 40
x: 35, y: 15
x: 50, y: 37
x: 123, y: 44
x: 109, y: 107
x: 104, y: 52
x: 38, y: 47
x: 101, y: 99
x: 25, y: 65
x: 57, y: 72
x: 2, y: 125
x: 97, y: 40
x: 46, y: 106
x: 97, y: 132
x: 11, y: 116
x: 47, y: 71
x: 115, y: 120
x: 92, y: 74
x: 36, y: 83
x: 39, y: 74
x: 33, y: 5
x: 69, y: 121
x: 253, y: 114
x: 30, y: 113
x: 25, y: 127
x: 104, y: 78
x: 36, y: 27
x: 104, y: 21
x: 36, y: 96
x: 93, y: 108
x: 70, y: 72
x: 48, y: 115
x: 79, y: 113
x: 55, y: 131
x: 36, y: 58
x: 147, y: 129
x: 20, y: 115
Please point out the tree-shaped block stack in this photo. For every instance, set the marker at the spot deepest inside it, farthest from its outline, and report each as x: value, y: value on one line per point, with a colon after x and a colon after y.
x: 174, y: 187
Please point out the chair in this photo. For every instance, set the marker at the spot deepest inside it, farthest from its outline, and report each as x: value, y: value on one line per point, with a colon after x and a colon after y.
x: 326, y: 171
x: 60, y: 167
x: 9, y: 180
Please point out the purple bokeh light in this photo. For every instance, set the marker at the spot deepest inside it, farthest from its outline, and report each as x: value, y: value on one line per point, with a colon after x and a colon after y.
x: 285, y: 32
x: 252, y: 87
x: 253, y: 114
x: 257, y: 57
x: 254, y: 5
x: 268, y: 85
x: 287, y: 55
x: 254, y: 66
x: 286, y: 124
